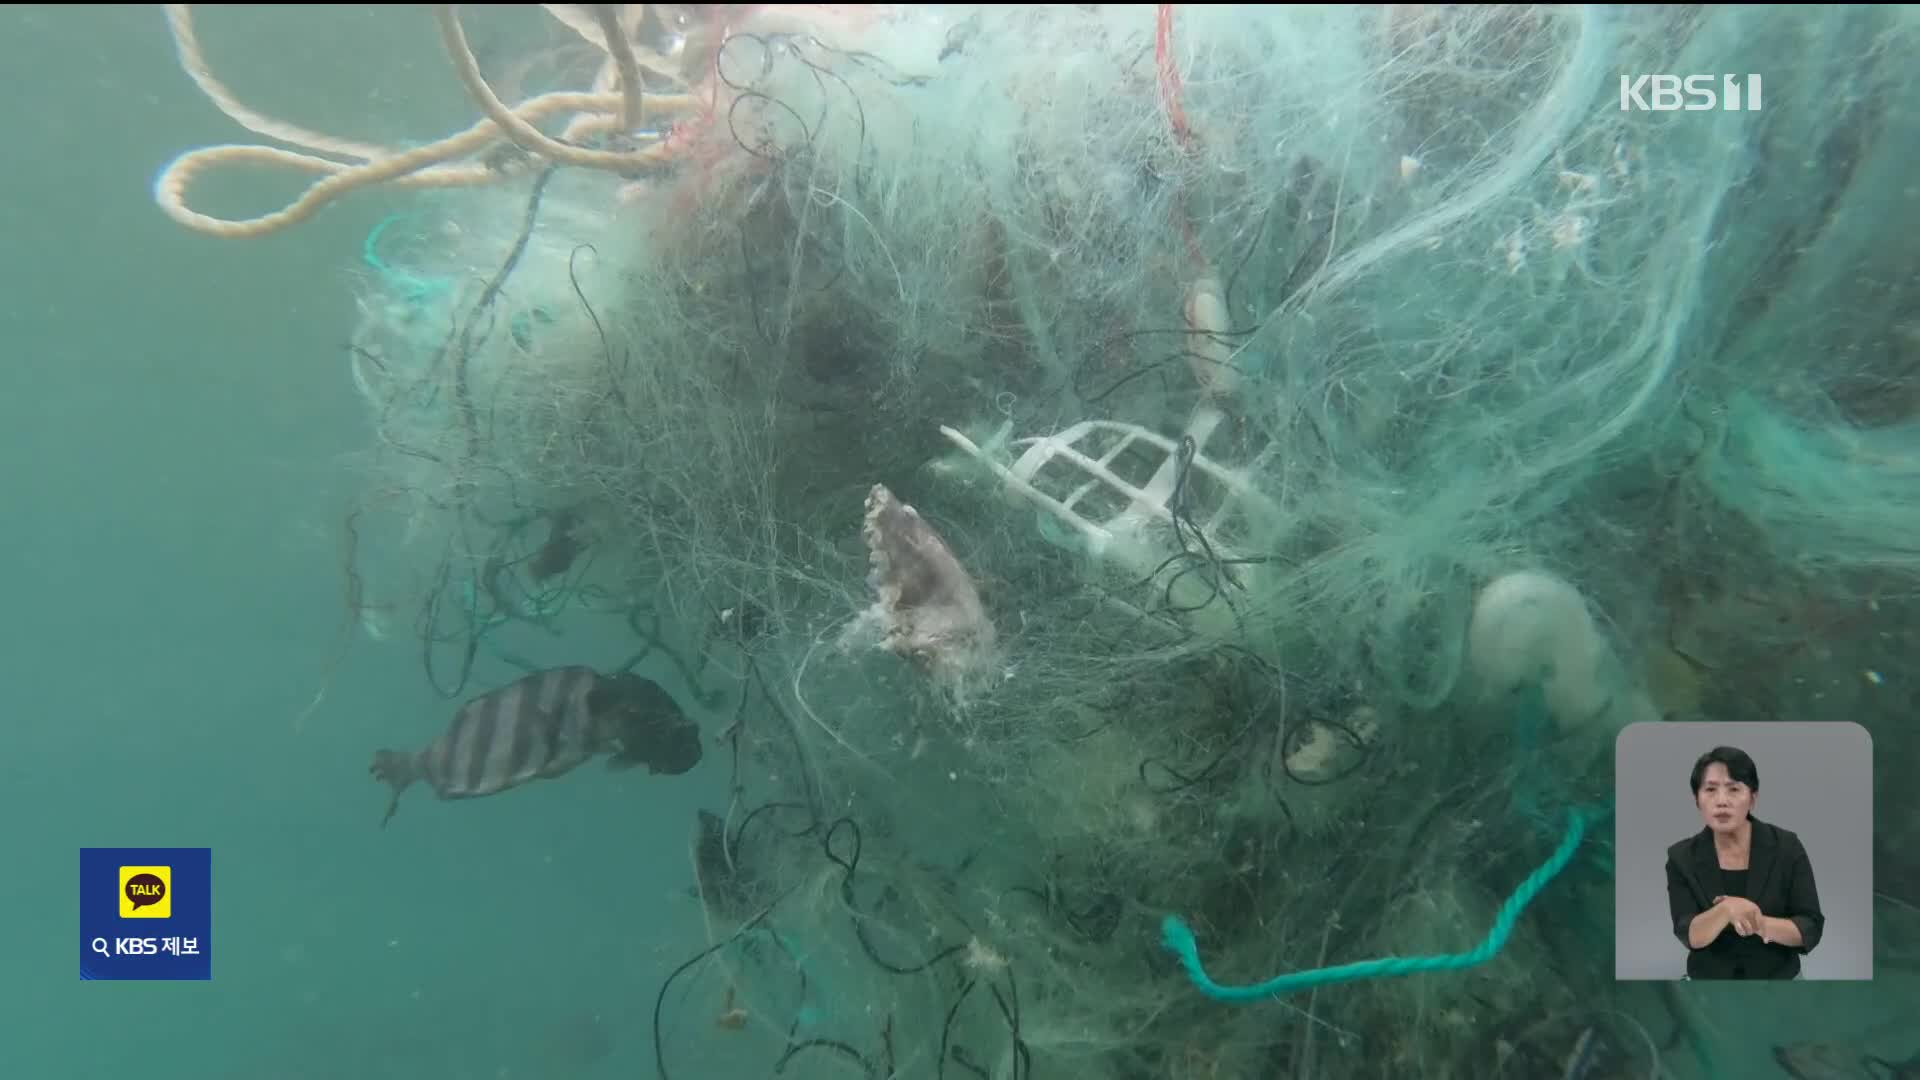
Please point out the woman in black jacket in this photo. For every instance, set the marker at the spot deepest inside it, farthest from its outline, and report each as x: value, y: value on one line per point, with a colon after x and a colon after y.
x: 1741, y: 891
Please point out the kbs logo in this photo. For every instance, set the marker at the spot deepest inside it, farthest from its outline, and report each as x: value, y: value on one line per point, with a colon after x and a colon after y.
x: 1689, y: 93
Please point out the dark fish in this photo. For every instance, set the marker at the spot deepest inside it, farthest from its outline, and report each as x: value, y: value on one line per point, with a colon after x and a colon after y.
x: 544, y: 726
x: 564, y: 545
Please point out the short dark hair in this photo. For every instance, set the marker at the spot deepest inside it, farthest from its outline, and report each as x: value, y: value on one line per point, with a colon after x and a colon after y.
x: 1739, y: 766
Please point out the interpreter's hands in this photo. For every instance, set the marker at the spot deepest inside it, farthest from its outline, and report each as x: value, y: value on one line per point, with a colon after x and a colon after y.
x: 1743, y: 915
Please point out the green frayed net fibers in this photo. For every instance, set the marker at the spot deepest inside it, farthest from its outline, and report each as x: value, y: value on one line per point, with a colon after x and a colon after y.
x: 1103, y: 461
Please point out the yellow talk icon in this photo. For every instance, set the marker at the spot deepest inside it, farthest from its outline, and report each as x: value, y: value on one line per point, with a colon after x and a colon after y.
x: 146, y: 892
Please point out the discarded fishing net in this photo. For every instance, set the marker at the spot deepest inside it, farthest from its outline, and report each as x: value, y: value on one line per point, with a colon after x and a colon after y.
x: 1153, y: 499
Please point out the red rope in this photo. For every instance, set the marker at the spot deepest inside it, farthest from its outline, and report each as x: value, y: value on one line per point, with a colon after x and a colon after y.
x: 1170, y: 76
x: 1177, y: 116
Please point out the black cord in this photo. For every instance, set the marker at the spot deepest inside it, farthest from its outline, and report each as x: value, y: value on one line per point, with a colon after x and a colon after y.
x: 464, y: 344
x: 614, y: 378
x: 833, y: 1045
x: 946, y: 1032
x: 851, y: 864
x: 660, y: 999
x: 1010, y: 1010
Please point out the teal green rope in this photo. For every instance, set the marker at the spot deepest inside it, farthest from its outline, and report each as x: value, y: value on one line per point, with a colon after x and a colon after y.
x: 1178, y: 937
x: 541, y: 608
x: 418, y: 290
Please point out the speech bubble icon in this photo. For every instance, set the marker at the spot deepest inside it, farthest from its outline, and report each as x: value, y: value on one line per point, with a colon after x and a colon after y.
x: 145, y: 890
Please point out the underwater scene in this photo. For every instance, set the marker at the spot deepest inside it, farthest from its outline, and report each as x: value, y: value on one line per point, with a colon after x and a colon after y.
x: 962, y: 542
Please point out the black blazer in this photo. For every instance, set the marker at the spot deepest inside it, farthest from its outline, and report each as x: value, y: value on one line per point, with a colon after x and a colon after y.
x: 1779, y: 882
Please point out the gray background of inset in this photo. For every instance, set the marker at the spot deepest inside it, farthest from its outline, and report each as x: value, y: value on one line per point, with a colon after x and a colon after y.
x: 1816, y: 779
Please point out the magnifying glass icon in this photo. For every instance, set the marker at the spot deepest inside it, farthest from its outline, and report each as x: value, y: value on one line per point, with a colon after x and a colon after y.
x: 100, y: 946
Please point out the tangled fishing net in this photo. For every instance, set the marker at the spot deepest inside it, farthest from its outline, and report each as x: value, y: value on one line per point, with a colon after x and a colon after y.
x: 1153, y: 499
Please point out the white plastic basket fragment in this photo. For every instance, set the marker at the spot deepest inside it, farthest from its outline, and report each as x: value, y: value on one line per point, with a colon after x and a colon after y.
x: 1156, y: 506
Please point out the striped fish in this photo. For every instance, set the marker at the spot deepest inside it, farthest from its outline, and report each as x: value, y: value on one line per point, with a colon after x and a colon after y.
x: 541, y: 727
